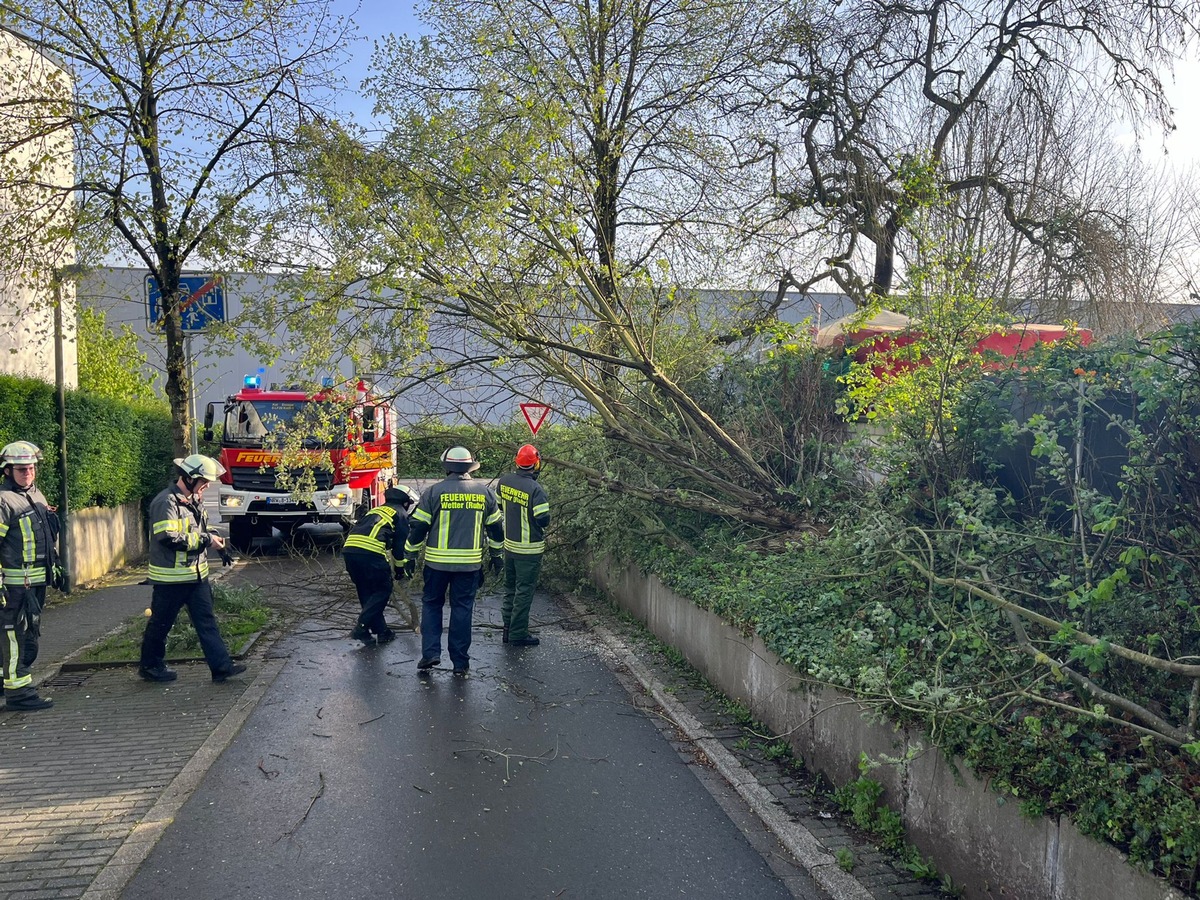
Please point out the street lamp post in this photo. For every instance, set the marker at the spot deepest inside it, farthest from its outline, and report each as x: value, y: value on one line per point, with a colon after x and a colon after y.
x: 60, y: 396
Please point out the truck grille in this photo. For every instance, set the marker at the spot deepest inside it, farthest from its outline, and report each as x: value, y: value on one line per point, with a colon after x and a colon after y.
x: 254, y: 480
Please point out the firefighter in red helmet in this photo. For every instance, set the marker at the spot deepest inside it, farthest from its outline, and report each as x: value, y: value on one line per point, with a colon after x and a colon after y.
x: 526, y: 509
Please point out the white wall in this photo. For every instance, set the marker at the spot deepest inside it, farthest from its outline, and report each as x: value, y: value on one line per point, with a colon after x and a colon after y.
x: 34, y: 94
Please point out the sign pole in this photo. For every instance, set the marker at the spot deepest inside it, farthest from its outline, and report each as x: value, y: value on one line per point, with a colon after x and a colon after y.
x: 191, y: 370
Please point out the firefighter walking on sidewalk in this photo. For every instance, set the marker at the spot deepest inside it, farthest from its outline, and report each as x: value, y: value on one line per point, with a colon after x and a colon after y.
x: 179, y: 542
x: 526, y: 509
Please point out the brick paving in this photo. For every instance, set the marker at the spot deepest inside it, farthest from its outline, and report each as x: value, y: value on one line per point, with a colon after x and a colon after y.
x: 77, y: 779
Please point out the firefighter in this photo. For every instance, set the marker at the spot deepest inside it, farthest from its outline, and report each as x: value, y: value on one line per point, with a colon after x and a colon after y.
x: 526, y: 509
x: 451, y: 521
x: 373, y: 551
x: 28, y: 560
x: 179, y: 542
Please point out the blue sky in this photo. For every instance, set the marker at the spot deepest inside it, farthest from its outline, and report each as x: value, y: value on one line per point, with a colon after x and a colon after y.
x: 375, y: 19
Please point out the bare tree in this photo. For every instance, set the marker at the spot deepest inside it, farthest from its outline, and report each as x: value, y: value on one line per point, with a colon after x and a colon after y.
x: 182, y: 112
x: 873, y: 87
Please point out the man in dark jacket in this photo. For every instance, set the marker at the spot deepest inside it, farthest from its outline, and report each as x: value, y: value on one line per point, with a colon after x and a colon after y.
x: 28, y: 536
x: 526, y: 509
x: 374, y: 549
x: 179, y: 542
x: 451, y: 520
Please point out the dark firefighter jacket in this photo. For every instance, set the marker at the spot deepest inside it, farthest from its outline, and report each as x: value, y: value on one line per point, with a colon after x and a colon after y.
x: 28, y: 532
x: 451, y: 520
x: 526, y: 509
x: 383, y: 530
x: 179, y: 538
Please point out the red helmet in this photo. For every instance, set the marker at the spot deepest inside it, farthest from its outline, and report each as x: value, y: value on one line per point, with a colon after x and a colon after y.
x: 529, y: 458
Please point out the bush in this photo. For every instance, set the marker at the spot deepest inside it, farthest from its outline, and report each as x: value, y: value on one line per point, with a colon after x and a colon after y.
x: 118, y: 451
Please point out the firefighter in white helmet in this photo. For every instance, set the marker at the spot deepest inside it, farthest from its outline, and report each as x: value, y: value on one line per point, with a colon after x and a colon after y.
x: 455, y: 520
x: 28, y: 560
x: 179, y: 542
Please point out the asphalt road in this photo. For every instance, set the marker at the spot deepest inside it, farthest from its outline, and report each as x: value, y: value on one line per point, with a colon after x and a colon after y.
x: 534, y: 777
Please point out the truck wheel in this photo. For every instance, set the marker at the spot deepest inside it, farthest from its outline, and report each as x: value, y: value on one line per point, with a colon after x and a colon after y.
x: 241, y: 534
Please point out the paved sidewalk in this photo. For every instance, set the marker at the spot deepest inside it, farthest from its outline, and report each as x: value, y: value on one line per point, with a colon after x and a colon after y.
x: 78, y: 779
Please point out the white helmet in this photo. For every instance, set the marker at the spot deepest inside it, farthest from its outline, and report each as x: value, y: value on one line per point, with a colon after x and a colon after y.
x: 459, y: 460
x: 20, y: 453
x: 200, y: 466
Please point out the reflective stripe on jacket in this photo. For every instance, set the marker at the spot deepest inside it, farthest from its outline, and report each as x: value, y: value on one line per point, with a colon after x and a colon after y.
x: 178, y: 538
x: 381, y: 530
x: 28, y: 529
x: 451, y: 520
x: 526, y: 508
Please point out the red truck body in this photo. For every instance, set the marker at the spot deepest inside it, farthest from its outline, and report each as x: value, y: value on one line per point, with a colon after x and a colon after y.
x: 347, y: 435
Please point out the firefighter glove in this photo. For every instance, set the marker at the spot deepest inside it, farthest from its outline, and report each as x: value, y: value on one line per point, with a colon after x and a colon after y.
x: 226, y: 557
x: 410, y: 567
x: 497, y: 563
x: 58, y: 577
x: 399, y: 574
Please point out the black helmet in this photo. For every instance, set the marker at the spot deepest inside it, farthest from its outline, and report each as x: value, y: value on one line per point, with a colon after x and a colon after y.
x: 401, y: 494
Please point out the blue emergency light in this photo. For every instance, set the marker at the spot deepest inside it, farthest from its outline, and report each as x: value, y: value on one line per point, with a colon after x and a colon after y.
x: 252, y: 382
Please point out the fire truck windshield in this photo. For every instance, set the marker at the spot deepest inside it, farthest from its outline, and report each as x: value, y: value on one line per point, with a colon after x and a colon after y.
x: 320, y: 424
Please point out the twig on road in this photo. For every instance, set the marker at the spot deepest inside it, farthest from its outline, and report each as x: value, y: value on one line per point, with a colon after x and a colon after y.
x: 317, y: 796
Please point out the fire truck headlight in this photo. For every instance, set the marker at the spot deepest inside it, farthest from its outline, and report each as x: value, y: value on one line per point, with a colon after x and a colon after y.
x: 338, y: 499
x: 231, y: 501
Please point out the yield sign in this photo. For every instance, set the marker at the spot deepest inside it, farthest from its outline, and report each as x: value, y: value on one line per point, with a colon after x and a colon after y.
x: 535, y: 414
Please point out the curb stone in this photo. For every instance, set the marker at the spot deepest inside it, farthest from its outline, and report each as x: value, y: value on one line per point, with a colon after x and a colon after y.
x: 809, y: 852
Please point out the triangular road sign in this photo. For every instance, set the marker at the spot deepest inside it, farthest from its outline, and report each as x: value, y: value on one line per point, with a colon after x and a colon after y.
x: 535, y: 414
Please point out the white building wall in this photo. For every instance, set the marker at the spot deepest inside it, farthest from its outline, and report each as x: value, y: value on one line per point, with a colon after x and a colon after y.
x: 36, y: 173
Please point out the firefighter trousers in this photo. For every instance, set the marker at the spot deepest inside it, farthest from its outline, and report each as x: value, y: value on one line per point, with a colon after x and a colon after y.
x: 372, y: 577
x: 21, y: 621
x: 520, y: 579
x: 165, y: 604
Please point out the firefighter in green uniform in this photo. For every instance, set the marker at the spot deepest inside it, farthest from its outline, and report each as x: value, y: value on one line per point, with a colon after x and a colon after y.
x: 451, y: 521
x: 28, y: 536
x: 526, y: 510
x: 179, y: 542
x: 373, y: 549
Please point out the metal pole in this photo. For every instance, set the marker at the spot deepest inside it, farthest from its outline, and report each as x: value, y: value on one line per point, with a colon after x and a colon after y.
x: 191, y: 370
x: 64, y: 542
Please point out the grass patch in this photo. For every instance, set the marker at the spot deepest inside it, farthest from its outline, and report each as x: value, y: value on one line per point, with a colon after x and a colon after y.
x: 240, y: 613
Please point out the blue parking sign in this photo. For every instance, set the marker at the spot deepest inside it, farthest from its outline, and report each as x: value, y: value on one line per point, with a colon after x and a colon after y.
x: 201, y: 301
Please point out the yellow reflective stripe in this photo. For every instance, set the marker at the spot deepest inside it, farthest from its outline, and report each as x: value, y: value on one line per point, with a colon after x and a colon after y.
x: 3, y: 530
x: 174, y: 573
x: 526, y: 548
x: 443, y: 555
x: 28, y: 545
x: 28, y: 575
x: 422, y: 515
x: 494, y: 517
x: 494, y: 544
x: 169, y: 525
x: 365, y: 542
x: 541, y: 509
x: 412, y: 549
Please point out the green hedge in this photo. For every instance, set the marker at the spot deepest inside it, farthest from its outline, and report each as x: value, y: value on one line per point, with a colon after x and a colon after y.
x: 117, y: 451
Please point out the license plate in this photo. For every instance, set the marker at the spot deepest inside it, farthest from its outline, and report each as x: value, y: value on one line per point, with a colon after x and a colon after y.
x: 278, y: 501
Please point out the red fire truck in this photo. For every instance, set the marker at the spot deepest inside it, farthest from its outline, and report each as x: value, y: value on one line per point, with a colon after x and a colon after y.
x: 344, y: 435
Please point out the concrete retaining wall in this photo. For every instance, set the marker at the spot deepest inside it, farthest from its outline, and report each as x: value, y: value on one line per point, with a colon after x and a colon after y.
x: 104, y: 539
x: 974, y: 836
